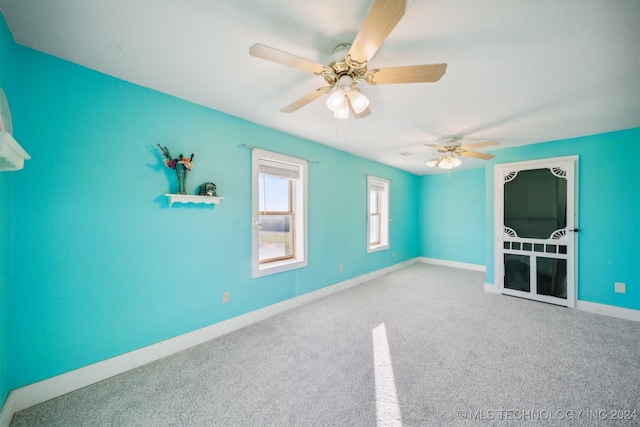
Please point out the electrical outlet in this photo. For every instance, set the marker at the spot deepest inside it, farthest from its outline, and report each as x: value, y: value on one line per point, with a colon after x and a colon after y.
x: 341, y: 268
x: 393, y: 254
x: 225, y: 297
x: 620, y: 288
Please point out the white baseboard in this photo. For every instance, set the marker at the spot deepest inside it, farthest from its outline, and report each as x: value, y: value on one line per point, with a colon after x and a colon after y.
x: 609, y: 310
x: 454, y: 264
x: 490, y: 287
x: 591, y: 307
x: 41, y: 391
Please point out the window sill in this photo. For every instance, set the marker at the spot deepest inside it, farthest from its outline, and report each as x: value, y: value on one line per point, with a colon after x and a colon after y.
x: 278, y: 267
x: 377, y: 248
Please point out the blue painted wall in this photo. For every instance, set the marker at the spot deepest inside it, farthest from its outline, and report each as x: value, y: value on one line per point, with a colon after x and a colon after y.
x: 608, y: 209
x: 103, y: 266
x: 6, y: 83
x: 452, y: 216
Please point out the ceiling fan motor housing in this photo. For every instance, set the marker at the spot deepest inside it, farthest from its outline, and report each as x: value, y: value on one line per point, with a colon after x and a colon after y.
x: 341, y: 65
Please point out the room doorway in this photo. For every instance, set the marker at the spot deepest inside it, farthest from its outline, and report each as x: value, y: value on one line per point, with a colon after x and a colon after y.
x: 536, y: 229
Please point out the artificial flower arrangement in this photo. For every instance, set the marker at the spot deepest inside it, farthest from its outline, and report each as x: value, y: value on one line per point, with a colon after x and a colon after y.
x: 181, y: 165
x: 170, y: 162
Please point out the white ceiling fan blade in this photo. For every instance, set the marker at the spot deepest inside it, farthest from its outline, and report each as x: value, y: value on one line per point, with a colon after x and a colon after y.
x: 274, y: 55
x: 383, y: 16
x: 408, y: 74
x: 479, y: 145
x: 476, y: 155
x: 295, y: 105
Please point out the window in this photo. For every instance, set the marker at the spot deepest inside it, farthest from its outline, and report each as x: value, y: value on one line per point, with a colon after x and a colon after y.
x: 378, y: 218
x: 279, y: 213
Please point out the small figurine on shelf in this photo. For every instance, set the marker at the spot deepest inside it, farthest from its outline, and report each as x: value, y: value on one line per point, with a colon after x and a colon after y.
x: 182, y: 166
x: 208, y: 189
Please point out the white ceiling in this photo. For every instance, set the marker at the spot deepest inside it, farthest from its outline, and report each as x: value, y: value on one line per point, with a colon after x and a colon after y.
x: 519, y: 71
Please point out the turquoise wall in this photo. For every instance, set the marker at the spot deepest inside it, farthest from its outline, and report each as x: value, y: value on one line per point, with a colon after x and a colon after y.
x: 103, y: 266
x: 6, y: 83
x: 452, y: 216
x: 608, y: 210
x: 100, y: 265
x: 452, y: 228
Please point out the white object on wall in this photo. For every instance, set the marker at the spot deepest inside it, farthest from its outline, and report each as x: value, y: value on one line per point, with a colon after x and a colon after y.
x: 12, y: 155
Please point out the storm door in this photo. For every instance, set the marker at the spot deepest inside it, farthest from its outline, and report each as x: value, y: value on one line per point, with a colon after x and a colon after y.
x: 536, y: 230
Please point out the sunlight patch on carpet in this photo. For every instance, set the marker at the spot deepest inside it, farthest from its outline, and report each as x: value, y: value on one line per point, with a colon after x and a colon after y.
x: 387, y: 408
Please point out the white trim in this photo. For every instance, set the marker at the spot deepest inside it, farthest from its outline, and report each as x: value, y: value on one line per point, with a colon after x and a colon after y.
x: 7, y: 411
x: 41, y: 391
x: 385, y: 216
x: 541, y: 298
x: 454, y: 264
x: 538, y: 162
x: 300, y: 207
x: 491, y: 288
x: 502, y: 170
x: 609, y: 310
x: 590, y: 307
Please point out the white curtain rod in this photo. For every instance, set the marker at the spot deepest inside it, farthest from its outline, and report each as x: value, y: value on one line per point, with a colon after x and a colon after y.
x: 378, y: 176
x: 284, y: 154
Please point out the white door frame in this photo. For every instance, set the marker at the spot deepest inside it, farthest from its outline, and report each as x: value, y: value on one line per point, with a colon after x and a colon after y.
x: 502, y: 170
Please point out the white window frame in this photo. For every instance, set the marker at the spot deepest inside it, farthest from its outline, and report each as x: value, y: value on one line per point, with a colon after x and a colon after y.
x: 374, y: 182
x: 299, y: 207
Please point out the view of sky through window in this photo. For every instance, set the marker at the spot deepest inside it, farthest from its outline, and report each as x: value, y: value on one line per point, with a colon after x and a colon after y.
x: 273, y: 193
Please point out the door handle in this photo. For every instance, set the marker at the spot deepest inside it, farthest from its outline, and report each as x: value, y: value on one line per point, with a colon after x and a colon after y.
x: 575, y: 230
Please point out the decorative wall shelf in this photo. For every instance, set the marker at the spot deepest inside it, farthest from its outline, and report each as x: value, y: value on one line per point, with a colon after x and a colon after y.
x: 186, y: 198
x: 12, y: 156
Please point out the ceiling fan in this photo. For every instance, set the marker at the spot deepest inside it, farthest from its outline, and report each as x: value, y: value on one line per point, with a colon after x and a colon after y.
x: 349, y: 64
x: 452, y: 148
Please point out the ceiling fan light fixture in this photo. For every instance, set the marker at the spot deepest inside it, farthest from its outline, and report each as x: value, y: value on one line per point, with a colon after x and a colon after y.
x: 337, y: 100
x: 350, y: 62
x: 450, y: 162
x: 343, y: 112
x: 359, y: 102
x: 431, y: 163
